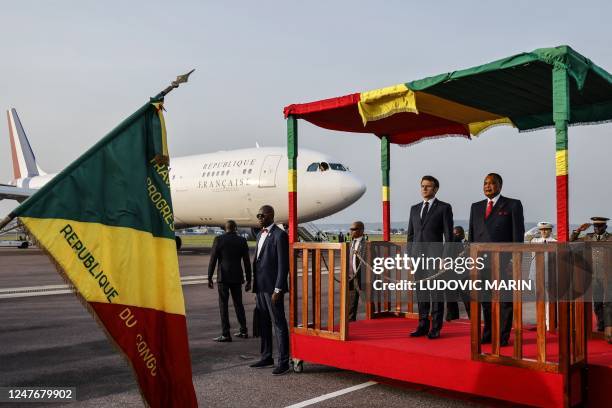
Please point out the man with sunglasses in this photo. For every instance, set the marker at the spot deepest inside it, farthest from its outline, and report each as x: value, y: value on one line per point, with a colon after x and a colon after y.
x: 271, y: 269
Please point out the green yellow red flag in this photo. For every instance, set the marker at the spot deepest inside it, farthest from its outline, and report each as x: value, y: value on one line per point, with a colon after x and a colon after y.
x: 107, y: 223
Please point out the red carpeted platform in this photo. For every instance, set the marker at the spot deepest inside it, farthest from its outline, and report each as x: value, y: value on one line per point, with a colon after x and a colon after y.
x: 382, y: 347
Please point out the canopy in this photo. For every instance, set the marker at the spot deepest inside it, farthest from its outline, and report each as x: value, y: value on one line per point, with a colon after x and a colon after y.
x: 516, y: 91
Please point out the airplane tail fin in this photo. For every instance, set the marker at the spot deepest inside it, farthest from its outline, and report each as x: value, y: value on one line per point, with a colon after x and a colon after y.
x: 24, y: 161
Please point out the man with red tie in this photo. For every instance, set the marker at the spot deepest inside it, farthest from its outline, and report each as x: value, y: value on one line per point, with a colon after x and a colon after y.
x: 497, y: 219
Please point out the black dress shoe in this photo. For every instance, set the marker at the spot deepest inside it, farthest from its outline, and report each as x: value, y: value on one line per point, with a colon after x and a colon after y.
x: 434, y: 334
x: 419, y: 332
x: 242, y: 335
x: 280, y: 370
x: 223, y: 339
x: 263, y: 363
x: 503, y: 343
x: 485, y: 340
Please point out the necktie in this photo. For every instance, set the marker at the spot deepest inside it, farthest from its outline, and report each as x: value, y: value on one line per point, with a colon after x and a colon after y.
x: 489, y: 209
x: 598, y: 237
x: 425, y: 209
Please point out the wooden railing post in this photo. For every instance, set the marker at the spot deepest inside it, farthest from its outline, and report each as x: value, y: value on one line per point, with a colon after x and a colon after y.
x: 316, y: 284
x: 475, y: 320
x: 368, y: 283
x: 331, y: 290
x: 293, y: 288
x: 517, y: 307
x: 305, y: 288
x: 540, y: 308
x: 344, y: 294
x: 495, y: 304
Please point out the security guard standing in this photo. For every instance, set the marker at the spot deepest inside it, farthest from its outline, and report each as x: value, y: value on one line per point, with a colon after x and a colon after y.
x: 602, y: 287
x: 228, y: 251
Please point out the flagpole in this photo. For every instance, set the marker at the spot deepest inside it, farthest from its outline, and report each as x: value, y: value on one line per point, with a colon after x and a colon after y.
x: 6, y: 220
x: 181, y: 79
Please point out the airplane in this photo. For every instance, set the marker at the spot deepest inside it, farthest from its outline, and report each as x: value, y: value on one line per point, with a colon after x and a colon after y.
x: 209, y: 189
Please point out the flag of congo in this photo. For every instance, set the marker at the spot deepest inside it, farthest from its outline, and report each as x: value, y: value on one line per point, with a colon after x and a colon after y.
x: 107, y: 223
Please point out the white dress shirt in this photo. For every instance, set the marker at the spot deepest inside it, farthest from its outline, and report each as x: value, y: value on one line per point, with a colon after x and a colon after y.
x: 431, y: 201
x: 494, y: 199
x: 356, y: 245
x: 262, y: 238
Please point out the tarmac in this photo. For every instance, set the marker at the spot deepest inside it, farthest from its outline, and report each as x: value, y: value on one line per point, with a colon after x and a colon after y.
x: 51, y: 340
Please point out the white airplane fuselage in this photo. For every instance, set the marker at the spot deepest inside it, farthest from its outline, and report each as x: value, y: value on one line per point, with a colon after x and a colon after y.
x: 209, y: 189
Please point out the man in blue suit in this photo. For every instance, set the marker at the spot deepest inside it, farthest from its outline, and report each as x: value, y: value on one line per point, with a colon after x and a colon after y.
x: 271, y: 269
x: 430, y: 224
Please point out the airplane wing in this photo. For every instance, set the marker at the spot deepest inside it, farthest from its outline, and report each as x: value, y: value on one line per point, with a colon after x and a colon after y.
x: 15, y: 193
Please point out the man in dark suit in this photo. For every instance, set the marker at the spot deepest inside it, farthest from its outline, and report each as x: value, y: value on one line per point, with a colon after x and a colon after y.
x: 497, y: 219
x: 271, y: 269
x: 357, y: 254
x: 228, y: 251
x: 430, y: 224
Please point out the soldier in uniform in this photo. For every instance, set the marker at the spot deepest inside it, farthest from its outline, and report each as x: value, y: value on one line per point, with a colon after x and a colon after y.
x: 602, y: 287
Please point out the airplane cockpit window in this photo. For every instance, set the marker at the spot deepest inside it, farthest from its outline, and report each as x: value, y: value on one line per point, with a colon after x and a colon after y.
x: 323, y: 166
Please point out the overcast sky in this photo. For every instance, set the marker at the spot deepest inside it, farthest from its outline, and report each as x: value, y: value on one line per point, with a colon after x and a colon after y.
x: 75, y: 69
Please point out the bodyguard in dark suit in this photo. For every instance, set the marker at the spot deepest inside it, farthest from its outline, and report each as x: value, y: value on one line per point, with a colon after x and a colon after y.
x: 271, y: 270
x: 497, y: 219
x: 431, y: 221
x: 229, y: 250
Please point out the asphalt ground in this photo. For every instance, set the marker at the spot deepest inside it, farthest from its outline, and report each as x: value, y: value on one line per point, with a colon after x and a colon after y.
x: 53, y: 341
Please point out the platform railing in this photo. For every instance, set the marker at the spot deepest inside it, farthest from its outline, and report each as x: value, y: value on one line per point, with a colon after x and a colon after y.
x: 563, y: 271
x: 319, y: 288
x: 387, y: 303
x: 604, y: 248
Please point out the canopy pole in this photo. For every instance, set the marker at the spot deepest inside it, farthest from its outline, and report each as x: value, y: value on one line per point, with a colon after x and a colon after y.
x: 561, y: 116
x: 385, y: 164
x: 292, y: 154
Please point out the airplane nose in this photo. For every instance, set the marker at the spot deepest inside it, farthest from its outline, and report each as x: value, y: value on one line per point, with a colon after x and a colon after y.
x: 352, y: 188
